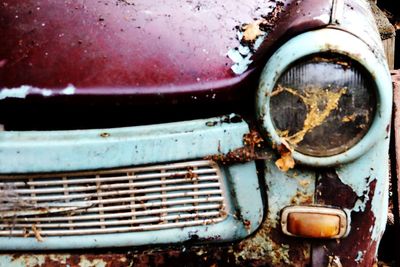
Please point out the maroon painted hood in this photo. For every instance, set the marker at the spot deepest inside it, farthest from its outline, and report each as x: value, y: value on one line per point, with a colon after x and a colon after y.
x: 126, y: 46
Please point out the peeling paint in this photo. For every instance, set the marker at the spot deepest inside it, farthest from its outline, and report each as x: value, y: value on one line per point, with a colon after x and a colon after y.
x: 241, y: 63
x: 360, y: 188
x: 70, y: 90
x: 25, y: 90
x: 359, y: 257
x: 363, y: 199
x: 20, y: 92
x: 362, y: 184
x: 251, y: 36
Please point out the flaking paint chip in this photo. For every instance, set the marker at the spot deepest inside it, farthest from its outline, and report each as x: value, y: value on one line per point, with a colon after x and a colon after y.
x: 252, y: 30
x: 286, y: 161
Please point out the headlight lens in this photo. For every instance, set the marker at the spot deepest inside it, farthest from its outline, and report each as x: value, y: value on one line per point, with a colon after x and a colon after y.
x: 323, y: 105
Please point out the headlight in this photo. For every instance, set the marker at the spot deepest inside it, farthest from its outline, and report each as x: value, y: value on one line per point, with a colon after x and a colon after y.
x: 322, y: 105
x: 328, y: 94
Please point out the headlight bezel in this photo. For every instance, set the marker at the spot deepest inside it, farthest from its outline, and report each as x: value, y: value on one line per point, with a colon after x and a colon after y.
x: 328, y: 41
x: 323, y: 104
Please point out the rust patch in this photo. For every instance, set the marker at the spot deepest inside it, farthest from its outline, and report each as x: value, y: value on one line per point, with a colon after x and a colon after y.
x: 252, y: 30
x: 190, y: 174
x: 286, y: 161
x: 343, y: 62
x: 105, y: 134
x: 72, y: 260
x: 267, y: 247
x: 37, y: 234
x: 331, y: 191
x: 261, y: 26
x: 251, y: 36
x: 302, y: 198
x: 357, y: 248
x: 253, y: 149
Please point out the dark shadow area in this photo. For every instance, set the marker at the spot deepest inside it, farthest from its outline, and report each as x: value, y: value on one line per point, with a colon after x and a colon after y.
x: 392, y: 11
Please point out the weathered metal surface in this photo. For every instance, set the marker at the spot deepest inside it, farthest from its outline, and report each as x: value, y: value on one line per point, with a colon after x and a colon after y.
x: 136, y: 49
x: 357, y: 18
x: 361, y: 189
x: 254, y: 148
x: 266, y: 246
x: 47, y: 151
x: 362, y: 192
x: 138, y: 44
x: 126, y: 46
x: 298, y: 17
x: 64, y: 260
x: 136, y: 199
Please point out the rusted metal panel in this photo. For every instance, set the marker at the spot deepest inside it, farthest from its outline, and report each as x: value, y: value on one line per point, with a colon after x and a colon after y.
x: 71, y: 260
x: 361, y: 190
x: 359, y: 240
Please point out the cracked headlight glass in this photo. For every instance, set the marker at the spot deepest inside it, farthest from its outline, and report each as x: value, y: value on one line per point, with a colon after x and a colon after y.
x: 323, y: 105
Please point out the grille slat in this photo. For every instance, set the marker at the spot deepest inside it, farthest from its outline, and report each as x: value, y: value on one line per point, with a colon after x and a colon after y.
x: 153, y: 197
x: 118, y: 215
x: 115, y: 222
x: 121, y: 192
x: 110, y: 186
x: 26, y: 232
x: 109, y: 179
x: 111, y: 201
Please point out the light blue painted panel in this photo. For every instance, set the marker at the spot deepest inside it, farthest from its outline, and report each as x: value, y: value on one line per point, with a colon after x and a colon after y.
x: 57, y: 151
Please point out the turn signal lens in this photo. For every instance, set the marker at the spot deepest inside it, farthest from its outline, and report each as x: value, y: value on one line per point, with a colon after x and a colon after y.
x: 314, y: 222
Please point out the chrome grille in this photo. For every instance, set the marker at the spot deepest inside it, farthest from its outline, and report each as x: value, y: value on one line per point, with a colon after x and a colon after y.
x: 112, y: 201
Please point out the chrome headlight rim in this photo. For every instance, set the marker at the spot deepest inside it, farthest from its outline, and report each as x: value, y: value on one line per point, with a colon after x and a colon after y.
x: 328, y: 41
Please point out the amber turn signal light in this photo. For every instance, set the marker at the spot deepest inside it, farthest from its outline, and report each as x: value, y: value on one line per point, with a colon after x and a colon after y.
x: 314, y: 222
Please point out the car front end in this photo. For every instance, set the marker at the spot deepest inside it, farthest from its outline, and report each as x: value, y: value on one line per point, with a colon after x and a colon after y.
x: 192, y: 133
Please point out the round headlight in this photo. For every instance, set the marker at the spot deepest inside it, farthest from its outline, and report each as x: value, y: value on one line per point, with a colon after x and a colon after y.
x: 323, y: 105
x: 330, y: 99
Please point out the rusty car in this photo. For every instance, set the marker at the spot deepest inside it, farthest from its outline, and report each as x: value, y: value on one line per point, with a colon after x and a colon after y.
x: 196, y: 133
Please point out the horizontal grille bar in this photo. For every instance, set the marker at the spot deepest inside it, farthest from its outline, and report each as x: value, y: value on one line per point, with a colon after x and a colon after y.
x: 119, y: 214
x: 110, y: 186
x: 27, y: 233
x: 112, y: 201
x: 108, y: 179
x: 116, y: 222
x: 120, y: 192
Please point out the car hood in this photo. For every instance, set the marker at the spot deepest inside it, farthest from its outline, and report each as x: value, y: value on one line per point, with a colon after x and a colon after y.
x: 131, y: 47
